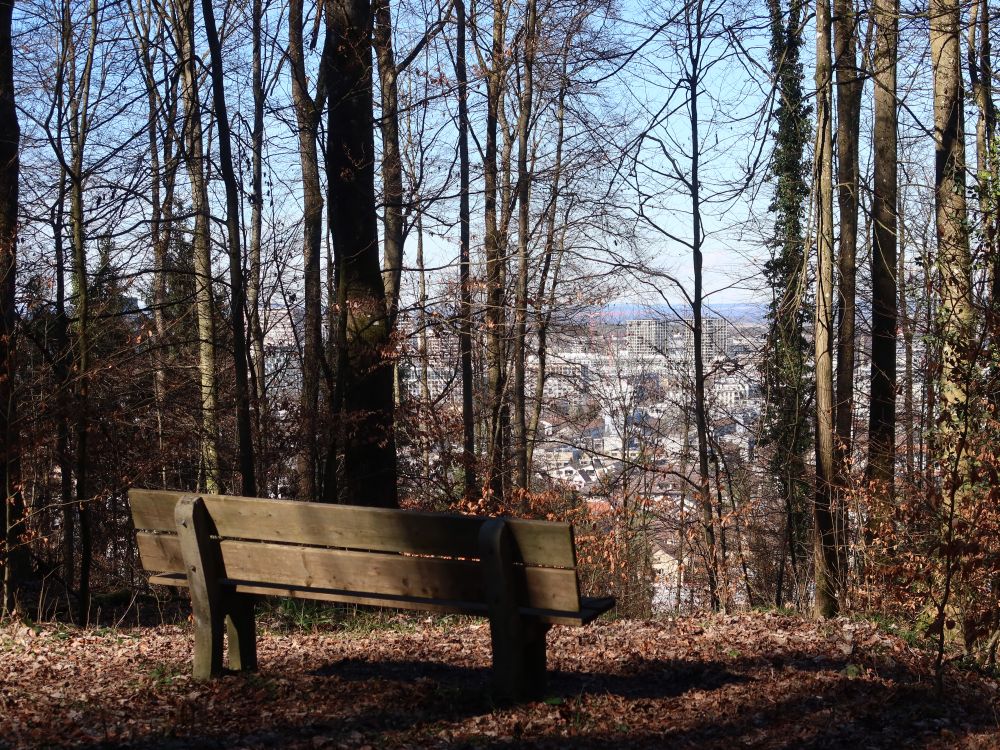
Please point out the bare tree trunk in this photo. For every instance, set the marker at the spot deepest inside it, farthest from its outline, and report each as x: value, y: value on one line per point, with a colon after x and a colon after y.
x: 980, y: 60
x: 826, y: 560
x: 849, y: 87
x: 307, y: 115
x: 682, y: 510
x: 162, y: 173
x: 238, y: 302
x: 423, y: 353
x: 906, y: 328
x: 552, y: 257
x: 519, y: 437
x: 63, y: 364
x: 471, y: 484
x: 256, y: 330
x: 79, y: 129
x: 392, y: 165
x: 204, y: 304
x: 369, y: 471
x: 693, y: 85
x: 954, y: 263
x: 880, y: 471
x: 63, y: 369
x: 495, y: 268
x: 14, y: 558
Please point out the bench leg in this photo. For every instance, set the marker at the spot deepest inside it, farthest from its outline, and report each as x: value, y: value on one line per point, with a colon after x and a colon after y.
x: 533, y: 656
x: 202, y: 564
x: 509, y: 677
x: 241, y: 630
x: 519, y: 660
x: 518, y: 641
x: 207, y: 643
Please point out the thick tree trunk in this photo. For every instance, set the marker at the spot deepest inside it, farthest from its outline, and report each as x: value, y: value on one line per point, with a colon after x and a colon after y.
x: 369, y: 468
x: 786, y: 371
x: 826, y: 559
x: 953, y: 464
x: 882, y: 409
x: 81, y: 299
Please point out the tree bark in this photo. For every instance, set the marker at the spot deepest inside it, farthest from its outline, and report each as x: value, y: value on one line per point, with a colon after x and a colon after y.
x: 258, y: 367
x: 954, y: 263
x: 493, y: 248
x: 519, y: 432
x: 880, y: 471
x: 238, y: 301
x: 369, y: 466
x: 201, y: 247
x: 163, y: 172
x: 307, y: 116
x: 552, y: 255
x: 80, y: 114
x: 392, y: 165
x: 980, y: 61
x: 849, y: 88
x: 906, y: 329
x: 785, y: 374
x: 13, y: 557
x: 693, y: 85
x: 826, y: 558
x: 471, y: 484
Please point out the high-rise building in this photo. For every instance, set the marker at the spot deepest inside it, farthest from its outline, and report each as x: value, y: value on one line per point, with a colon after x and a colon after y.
x: 674, y: 339
x: 647, y: 338
x: 714, y: 337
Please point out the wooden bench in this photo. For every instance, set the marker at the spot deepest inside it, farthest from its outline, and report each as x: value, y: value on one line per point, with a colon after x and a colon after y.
x: 230, y: 550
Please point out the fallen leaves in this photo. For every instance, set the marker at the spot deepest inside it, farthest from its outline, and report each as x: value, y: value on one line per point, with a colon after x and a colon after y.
x: 755, y: 680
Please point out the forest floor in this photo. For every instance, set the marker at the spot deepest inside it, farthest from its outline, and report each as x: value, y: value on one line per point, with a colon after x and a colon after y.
x: 374, y: 681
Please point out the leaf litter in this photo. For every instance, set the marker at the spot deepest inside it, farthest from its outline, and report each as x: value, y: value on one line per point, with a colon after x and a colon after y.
x: 751, y: 680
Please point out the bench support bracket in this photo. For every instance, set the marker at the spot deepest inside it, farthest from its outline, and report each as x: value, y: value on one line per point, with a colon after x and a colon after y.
x: 212, y: 606
x: 518, y: 641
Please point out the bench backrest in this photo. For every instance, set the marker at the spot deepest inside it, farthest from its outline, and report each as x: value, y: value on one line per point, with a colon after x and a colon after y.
x: 373, y: 551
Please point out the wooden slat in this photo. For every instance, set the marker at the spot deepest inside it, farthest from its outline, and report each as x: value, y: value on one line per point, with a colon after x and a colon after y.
x: 543, y: 543
x: 344, y: 597
x: 159, y: 552
x: 169, y: 579
x: 365, y: 572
